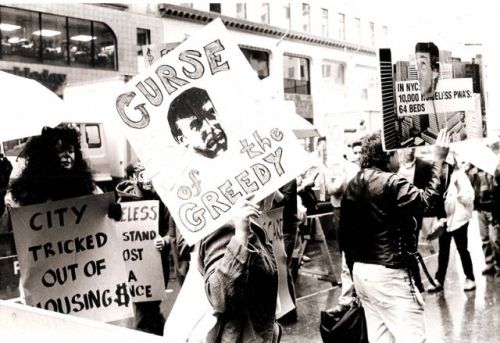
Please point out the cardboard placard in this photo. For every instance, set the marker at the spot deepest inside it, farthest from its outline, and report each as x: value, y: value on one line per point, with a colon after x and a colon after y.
x: 68, y: 257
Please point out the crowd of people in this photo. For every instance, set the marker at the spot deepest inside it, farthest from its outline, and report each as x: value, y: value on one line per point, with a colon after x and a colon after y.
x: 378, y: 200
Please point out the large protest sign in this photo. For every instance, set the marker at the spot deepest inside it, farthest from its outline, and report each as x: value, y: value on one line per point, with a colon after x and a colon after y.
x: 68, y: 257
x: 138, y: 229
x: 195, y: 121
x: 272, y: 222
x: 429, y: 91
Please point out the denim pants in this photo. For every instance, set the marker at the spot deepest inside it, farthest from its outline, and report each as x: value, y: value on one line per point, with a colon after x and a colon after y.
x: 489, y: 230
x: 393, y: 312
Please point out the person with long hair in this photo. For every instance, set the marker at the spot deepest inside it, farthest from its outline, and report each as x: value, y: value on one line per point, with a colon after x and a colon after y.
x: 54, y: 169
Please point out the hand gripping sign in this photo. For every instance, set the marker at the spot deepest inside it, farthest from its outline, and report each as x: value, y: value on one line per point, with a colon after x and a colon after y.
x: 196, y: 121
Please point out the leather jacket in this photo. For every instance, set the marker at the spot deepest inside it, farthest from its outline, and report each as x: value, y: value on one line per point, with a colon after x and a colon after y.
x: 377, y: 218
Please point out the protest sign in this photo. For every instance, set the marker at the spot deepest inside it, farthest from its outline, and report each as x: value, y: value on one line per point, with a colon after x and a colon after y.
x: 272, y: 222
x: 138, y: 229
x: 68, y: 257
x: 430, y: 91
x: 195, y: 121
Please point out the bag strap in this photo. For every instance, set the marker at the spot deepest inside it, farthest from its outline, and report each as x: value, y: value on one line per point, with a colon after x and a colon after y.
x: 420, y: 260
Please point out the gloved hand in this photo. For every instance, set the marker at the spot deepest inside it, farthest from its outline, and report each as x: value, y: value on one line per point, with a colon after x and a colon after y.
x: 115, y: 211
x: 5, y: 171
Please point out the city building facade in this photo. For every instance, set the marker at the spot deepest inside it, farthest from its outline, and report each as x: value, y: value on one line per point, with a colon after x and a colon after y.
x: 318, y: 54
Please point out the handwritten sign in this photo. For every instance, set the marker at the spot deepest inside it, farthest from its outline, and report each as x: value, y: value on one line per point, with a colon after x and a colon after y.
x: 68, y: 260
x: 272, y: 222
x: 138, y: 229
x: 200, y: 125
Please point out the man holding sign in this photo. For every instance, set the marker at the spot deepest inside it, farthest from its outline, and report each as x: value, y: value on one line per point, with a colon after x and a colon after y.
x: 183, y: 116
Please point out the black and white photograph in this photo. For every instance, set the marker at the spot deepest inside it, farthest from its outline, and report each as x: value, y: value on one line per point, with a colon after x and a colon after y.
x: 293, y: 171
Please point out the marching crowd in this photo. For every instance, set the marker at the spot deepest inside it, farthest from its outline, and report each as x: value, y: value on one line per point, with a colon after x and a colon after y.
x: 378, y: 200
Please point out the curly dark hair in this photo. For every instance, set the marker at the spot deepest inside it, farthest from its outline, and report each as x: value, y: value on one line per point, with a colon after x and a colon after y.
x: 372, y: 152
x: 43, y: 177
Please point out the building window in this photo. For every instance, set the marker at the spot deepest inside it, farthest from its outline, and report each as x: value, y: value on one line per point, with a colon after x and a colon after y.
x: 296, y: 75
x: 80, y: 42
x: 333, y: 73
x: 143, y: 38
x: 54, y: 45
x: 288, y: 20
x: 241, y: 10
x: 18, y: 41
x: 306, y: 18
x: 372, y: 33
x: 357, y: 29
x: 36, y: 37
x: 215, y: 7
x: 259, y: 60
x: 104, y: 46
x: 341, y: 26
x: 264, y: 17
x: 324, y: 22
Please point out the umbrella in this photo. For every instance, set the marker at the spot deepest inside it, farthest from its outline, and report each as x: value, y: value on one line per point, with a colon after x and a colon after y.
x: 26, y: 107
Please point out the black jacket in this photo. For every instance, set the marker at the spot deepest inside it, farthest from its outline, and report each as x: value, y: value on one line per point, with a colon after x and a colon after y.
x: 377, y: 216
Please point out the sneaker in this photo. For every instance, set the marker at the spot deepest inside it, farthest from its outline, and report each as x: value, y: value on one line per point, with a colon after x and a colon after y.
x: 469, y: 285
x: 489, y: 270
x: 435, y: 289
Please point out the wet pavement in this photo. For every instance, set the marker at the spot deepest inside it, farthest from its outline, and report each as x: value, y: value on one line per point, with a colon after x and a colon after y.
x: 451, y: 316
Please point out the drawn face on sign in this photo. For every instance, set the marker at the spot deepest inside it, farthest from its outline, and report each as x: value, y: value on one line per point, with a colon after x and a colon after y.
x: 193, y: 123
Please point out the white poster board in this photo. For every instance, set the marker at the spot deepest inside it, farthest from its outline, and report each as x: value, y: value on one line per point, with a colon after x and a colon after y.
x: 195, y: 120
x: 138, y: 229
x: 68, y: 257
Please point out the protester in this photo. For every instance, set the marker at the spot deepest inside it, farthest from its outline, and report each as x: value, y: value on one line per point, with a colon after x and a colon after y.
x: 377, y: 235
x: 241, y: 279
x: 342, y: 174
x: 459, y: 205
x: 148, y: 316
x: 485, y: 202
x: 54, y: 169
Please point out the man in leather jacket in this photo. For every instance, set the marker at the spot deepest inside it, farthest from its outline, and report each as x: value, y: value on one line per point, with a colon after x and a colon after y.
x: 377, y: 235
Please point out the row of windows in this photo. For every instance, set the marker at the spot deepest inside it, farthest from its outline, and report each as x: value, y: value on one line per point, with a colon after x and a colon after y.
x: 305, y: 24
x: 36, y: 37
x: 296, y: 71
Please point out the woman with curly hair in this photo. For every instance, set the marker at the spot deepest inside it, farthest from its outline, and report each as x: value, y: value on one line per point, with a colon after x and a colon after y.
x: 54, y: 169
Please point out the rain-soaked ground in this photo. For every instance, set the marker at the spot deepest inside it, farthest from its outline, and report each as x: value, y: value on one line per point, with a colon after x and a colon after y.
x: 451, y: 316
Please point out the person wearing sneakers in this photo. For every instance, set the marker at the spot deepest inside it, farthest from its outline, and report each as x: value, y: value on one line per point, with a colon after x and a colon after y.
x: 458, y: 204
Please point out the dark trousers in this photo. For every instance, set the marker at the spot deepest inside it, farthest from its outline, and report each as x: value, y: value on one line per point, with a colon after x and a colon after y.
x: 460, y: 238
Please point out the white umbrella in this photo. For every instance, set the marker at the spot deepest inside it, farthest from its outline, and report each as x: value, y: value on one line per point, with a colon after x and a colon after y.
x: 26, y: 107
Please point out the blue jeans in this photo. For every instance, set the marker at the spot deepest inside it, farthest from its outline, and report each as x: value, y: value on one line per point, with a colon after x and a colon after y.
x: 393, y: 312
